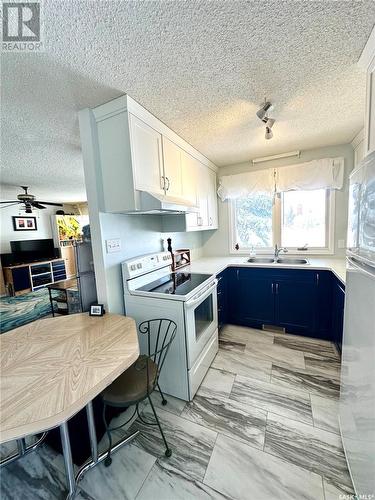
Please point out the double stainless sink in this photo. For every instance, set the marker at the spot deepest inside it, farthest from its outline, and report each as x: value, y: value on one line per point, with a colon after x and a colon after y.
x: 280, y: 260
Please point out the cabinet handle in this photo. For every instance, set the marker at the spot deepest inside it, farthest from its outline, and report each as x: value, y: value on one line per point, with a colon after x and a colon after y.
x: 163, y: 182
x: 272, y: 288
x: 238, y: 273
x: 277, y: 288
x: 168, y: 183
x: 210, y: 221
x: 317, y: 278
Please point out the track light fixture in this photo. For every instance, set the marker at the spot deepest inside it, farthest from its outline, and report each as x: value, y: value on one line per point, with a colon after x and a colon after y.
x: 262, y: 115
x: 268, y: 134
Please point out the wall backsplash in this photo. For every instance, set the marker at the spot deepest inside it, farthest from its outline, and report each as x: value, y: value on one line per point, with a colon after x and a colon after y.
x: 139, y: 234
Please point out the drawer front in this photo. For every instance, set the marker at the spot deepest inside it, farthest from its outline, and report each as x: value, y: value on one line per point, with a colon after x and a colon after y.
x: 58, y: 264
x: 202, y: 364
x: 59, y: 276
x: 45, y: 279
x: 40, y: 269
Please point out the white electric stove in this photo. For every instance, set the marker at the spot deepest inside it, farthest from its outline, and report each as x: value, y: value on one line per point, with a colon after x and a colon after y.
x: 152, y: 290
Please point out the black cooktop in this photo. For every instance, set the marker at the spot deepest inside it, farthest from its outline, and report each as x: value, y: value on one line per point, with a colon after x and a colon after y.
x: 176, y: 283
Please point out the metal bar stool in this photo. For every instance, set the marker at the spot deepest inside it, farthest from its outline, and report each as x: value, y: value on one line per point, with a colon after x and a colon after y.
x: 141, y: 379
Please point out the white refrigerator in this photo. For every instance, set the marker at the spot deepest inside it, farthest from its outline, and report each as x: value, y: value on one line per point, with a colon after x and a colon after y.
x: 357, y: 398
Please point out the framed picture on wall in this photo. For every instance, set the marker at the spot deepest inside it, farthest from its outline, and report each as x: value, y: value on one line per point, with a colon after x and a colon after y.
x: 24, y: 223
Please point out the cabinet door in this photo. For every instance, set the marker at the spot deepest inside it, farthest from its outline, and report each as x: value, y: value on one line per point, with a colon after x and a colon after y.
x: 212, y: 200
x: 203, y: 189
x: 67, y: 253
x: 190, y: 172
x: 251, y: 298
x: 338, y: 304
x: 21, y: 278
x: 147, y: 156
x: 222, y: 306
x: 295, y: 305
x: 172, y: 168
x: 323, y: 314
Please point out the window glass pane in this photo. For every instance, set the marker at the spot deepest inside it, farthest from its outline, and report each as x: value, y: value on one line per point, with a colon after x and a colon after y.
x: 303, y: 218
x: 253, y: 220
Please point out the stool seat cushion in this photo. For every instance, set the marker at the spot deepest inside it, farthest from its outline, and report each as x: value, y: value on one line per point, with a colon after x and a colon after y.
x: 131, y: 386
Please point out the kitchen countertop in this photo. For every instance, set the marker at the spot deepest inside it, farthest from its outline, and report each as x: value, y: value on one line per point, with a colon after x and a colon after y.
x: 214, y: 265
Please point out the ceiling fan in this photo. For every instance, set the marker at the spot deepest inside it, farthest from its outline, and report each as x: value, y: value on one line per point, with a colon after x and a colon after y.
x: 29, y: 201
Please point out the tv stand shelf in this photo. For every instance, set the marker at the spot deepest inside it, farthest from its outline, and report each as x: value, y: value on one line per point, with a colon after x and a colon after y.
x: 24, y: 278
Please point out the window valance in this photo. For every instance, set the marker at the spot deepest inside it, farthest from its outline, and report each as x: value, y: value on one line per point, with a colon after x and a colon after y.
x: 326, y: 173
x: 235, y: 186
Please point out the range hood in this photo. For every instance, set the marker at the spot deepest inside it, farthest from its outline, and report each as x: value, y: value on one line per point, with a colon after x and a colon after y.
x: 154, y: 203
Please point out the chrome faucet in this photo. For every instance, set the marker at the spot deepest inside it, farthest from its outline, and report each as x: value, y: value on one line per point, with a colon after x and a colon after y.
x: 278, y: 250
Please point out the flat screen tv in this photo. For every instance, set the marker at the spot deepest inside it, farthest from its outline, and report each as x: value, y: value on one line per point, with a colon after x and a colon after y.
x: 32, y: 250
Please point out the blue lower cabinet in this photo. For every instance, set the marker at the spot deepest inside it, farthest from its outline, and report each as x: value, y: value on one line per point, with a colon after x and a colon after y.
x: 222, y: 298
x: 295, y: 305
x: 21, y: 278
x: 285, y: 298
x: 303, y: 301
x: 338, y: 303
x: 250, y: 297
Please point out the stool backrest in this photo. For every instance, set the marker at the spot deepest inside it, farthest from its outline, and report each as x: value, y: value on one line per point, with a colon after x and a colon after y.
x: 160, y: 335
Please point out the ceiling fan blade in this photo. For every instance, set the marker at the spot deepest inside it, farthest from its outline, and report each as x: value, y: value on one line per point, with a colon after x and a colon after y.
x: 10, y: 204
x: 36, y: 204
x: 52, y: 204
x: 11, y: 201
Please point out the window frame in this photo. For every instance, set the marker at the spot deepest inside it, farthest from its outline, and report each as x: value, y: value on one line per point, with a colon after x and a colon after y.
x: 276, y: 229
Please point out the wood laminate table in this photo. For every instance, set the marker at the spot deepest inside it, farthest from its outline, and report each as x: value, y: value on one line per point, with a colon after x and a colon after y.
x: 52, y: 368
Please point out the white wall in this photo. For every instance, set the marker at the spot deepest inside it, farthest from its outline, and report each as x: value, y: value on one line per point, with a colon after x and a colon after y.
x: 217, y: 243
x: 44, y: 227
x: 43, y: 221
x: 139, y: 234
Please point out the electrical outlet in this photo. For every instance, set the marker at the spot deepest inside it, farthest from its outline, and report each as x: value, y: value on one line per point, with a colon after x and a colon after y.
x: 341, y: 244
x: 113, y: 245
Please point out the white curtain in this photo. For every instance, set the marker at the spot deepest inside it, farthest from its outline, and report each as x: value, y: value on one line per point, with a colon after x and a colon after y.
x: 235, y: 186
x: 327, y: 173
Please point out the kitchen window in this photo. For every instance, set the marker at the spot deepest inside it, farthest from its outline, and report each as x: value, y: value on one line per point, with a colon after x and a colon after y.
x: 293, y: 219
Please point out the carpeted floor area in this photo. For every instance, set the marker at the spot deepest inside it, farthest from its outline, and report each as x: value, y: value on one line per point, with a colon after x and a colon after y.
x: 17, y: 311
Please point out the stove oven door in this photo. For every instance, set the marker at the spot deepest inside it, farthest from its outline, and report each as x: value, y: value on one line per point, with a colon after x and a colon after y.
x: 201, y: 321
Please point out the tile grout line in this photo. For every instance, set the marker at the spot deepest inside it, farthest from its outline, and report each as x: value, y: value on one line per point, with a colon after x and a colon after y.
x: 324, y: 489
x: 209, y: 460
x: 147, y: 475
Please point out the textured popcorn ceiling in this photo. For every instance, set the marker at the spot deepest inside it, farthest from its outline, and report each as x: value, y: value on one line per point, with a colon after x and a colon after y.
x: 201, y: 67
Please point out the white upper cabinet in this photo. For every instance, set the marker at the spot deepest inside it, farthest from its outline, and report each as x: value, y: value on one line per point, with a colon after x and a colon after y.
x: 189, y: 172
x: 213, y: 221
x: 147, y: 156
x: 138, y: 165
x: 206, y: 217
x: 172, y: 168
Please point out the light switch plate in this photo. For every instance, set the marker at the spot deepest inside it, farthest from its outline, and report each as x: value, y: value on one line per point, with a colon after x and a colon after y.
x: 113, y: 245
x: 341, y: 244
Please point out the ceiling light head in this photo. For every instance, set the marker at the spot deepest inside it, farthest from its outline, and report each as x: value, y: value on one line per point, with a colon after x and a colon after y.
x: 268, y: 134
x: 261, y: 113
x: 269, y: 122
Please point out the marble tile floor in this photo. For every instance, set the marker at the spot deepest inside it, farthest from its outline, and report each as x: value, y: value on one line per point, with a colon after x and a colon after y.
x: 263, y: 425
